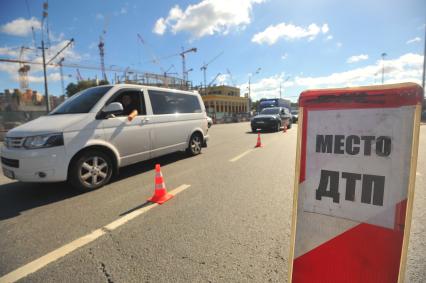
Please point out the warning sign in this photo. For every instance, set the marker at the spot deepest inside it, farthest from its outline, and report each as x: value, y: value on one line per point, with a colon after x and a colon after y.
x: 356, y: 158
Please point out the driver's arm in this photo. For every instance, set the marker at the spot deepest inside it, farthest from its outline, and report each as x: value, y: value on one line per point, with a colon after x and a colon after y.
x: 132, y: 115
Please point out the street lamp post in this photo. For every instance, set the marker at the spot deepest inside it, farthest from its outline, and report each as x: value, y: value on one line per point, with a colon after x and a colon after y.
x: 286, y: 79
x: 249, y: 85
x: 383, y: 67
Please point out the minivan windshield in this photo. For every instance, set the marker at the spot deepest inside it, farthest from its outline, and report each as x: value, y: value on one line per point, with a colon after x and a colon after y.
x: 268, y: 111
x: 82, y: 102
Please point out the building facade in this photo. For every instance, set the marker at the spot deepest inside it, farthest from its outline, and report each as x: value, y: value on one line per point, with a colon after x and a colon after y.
x: 224, y: 101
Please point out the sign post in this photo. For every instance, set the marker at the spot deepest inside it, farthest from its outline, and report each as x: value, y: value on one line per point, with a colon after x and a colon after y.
x: 354, y: 187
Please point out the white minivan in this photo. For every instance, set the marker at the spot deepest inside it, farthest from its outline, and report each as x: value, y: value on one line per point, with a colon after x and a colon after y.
x: 92, y: 134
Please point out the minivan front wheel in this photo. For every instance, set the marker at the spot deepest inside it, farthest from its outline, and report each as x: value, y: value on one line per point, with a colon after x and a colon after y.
x: 91, y: 170
x: 195, y: 144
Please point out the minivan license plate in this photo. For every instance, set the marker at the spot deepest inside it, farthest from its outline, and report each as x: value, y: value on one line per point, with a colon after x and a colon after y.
x: 8, y: 173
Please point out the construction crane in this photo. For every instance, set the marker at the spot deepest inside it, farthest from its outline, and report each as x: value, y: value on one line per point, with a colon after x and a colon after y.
x: 214, y: 79
x: 101, y: 47
x: 154, y: 60
x: 231, y: 77
x: 204, y: 67
x: 78, y: 76
x: 182, y: 54
x: 23, y: 71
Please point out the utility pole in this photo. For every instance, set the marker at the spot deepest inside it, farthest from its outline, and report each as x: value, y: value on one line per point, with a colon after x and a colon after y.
x: 383, y: 67
x: 249, y: 86
x: 280, y: 90
x: 62, y: 75
x: 286, y: 79
x: 424, y: 63
x: 46, y: 91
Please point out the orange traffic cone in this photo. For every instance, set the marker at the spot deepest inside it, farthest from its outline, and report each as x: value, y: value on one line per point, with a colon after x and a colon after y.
x: 259, y: 142
x: 160, y: 194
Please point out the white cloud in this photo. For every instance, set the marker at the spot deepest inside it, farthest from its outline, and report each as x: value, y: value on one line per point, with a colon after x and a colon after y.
x: 21, y: 26
x: 339, y: 44
x: 413, y: 40
x: 406, y: 68
x: 123, y: 11
x: 284, y: 56
x: 99, y: 16
x: 207, y: 17
x: 288, y: 32
x: 357, y: 58
x: 324, y: 28
x: 329, y: 37
x: 268, y: 87
x: 13, y: 52
x: 35, y: 74
x: 52, y: 77
x: 160, y: 26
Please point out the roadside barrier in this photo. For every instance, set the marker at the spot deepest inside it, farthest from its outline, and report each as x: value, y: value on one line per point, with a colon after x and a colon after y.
x: 160, y: 193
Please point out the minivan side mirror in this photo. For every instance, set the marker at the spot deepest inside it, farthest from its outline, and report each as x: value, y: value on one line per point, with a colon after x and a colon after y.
x: 113, y: 108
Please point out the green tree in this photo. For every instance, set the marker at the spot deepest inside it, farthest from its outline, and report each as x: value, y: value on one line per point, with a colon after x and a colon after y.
x: 73, y: 88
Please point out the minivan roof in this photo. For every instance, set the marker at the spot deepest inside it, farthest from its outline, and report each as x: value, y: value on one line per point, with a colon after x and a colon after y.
x: 154, y: 88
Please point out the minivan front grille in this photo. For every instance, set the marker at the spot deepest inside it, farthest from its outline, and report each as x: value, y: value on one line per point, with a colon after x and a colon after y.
x: 10, y: 162
x: 12, y: 142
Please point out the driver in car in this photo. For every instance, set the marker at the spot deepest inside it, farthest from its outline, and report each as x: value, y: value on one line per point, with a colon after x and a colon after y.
x: 129, y: 107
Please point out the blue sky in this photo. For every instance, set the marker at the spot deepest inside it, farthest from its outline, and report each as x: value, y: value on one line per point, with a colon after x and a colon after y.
x: 298, y: 44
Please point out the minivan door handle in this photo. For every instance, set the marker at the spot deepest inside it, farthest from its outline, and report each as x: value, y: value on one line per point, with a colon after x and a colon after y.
x: 145, y: 120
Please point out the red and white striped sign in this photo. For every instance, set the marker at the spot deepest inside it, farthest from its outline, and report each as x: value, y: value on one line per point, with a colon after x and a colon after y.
x: 355, y: 170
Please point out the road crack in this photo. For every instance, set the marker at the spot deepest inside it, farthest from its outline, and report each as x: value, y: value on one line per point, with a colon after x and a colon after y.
x: 102, y: 267
x: 105, y: 272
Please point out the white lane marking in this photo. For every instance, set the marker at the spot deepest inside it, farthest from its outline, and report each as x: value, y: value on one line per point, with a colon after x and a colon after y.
x: 241, y: 155
x: 41, y: 262
x: 50, y: 257
x: 126, y: 218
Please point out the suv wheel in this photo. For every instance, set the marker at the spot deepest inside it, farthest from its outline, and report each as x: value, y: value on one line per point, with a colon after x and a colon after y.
x: 195, y: 144
x: 277, y: 129
x: 91, y: 170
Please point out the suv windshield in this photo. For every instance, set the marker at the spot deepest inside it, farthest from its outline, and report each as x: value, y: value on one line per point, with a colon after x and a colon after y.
x: 82, y: 102
x: 268, y: 111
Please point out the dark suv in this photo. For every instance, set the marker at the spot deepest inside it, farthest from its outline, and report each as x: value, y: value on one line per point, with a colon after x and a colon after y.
x: 272, y: 118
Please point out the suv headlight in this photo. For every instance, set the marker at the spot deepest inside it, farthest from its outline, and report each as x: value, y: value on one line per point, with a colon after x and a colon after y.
x: 43, y: 141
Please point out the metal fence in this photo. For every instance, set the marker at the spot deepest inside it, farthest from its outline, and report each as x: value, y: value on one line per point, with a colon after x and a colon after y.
x: 12, y: 119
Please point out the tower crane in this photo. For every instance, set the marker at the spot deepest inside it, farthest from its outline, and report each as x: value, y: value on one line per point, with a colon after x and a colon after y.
x: 214, y: 79
x: 154, y: 60
x: 182, y: 54
x: 101, y: 47
x: 231, y: 77
x: 78, y: 75
x: 204, y: 67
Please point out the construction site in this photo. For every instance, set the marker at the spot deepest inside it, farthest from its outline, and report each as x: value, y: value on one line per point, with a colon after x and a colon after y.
x: 21, y: 104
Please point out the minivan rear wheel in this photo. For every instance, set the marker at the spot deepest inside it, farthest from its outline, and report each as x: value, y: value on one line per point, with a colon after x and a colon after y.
x: 195, y: 144
x: 91, y: 170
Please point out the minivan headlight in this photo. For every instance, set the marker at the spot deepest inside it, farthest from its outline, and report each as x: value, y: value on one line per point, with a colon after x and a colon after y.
x: 43, y: 141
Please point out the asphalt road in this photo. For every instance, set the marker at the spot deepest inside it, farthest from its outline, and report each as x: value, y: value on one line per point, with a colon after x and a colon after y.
x: 231, y: 225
